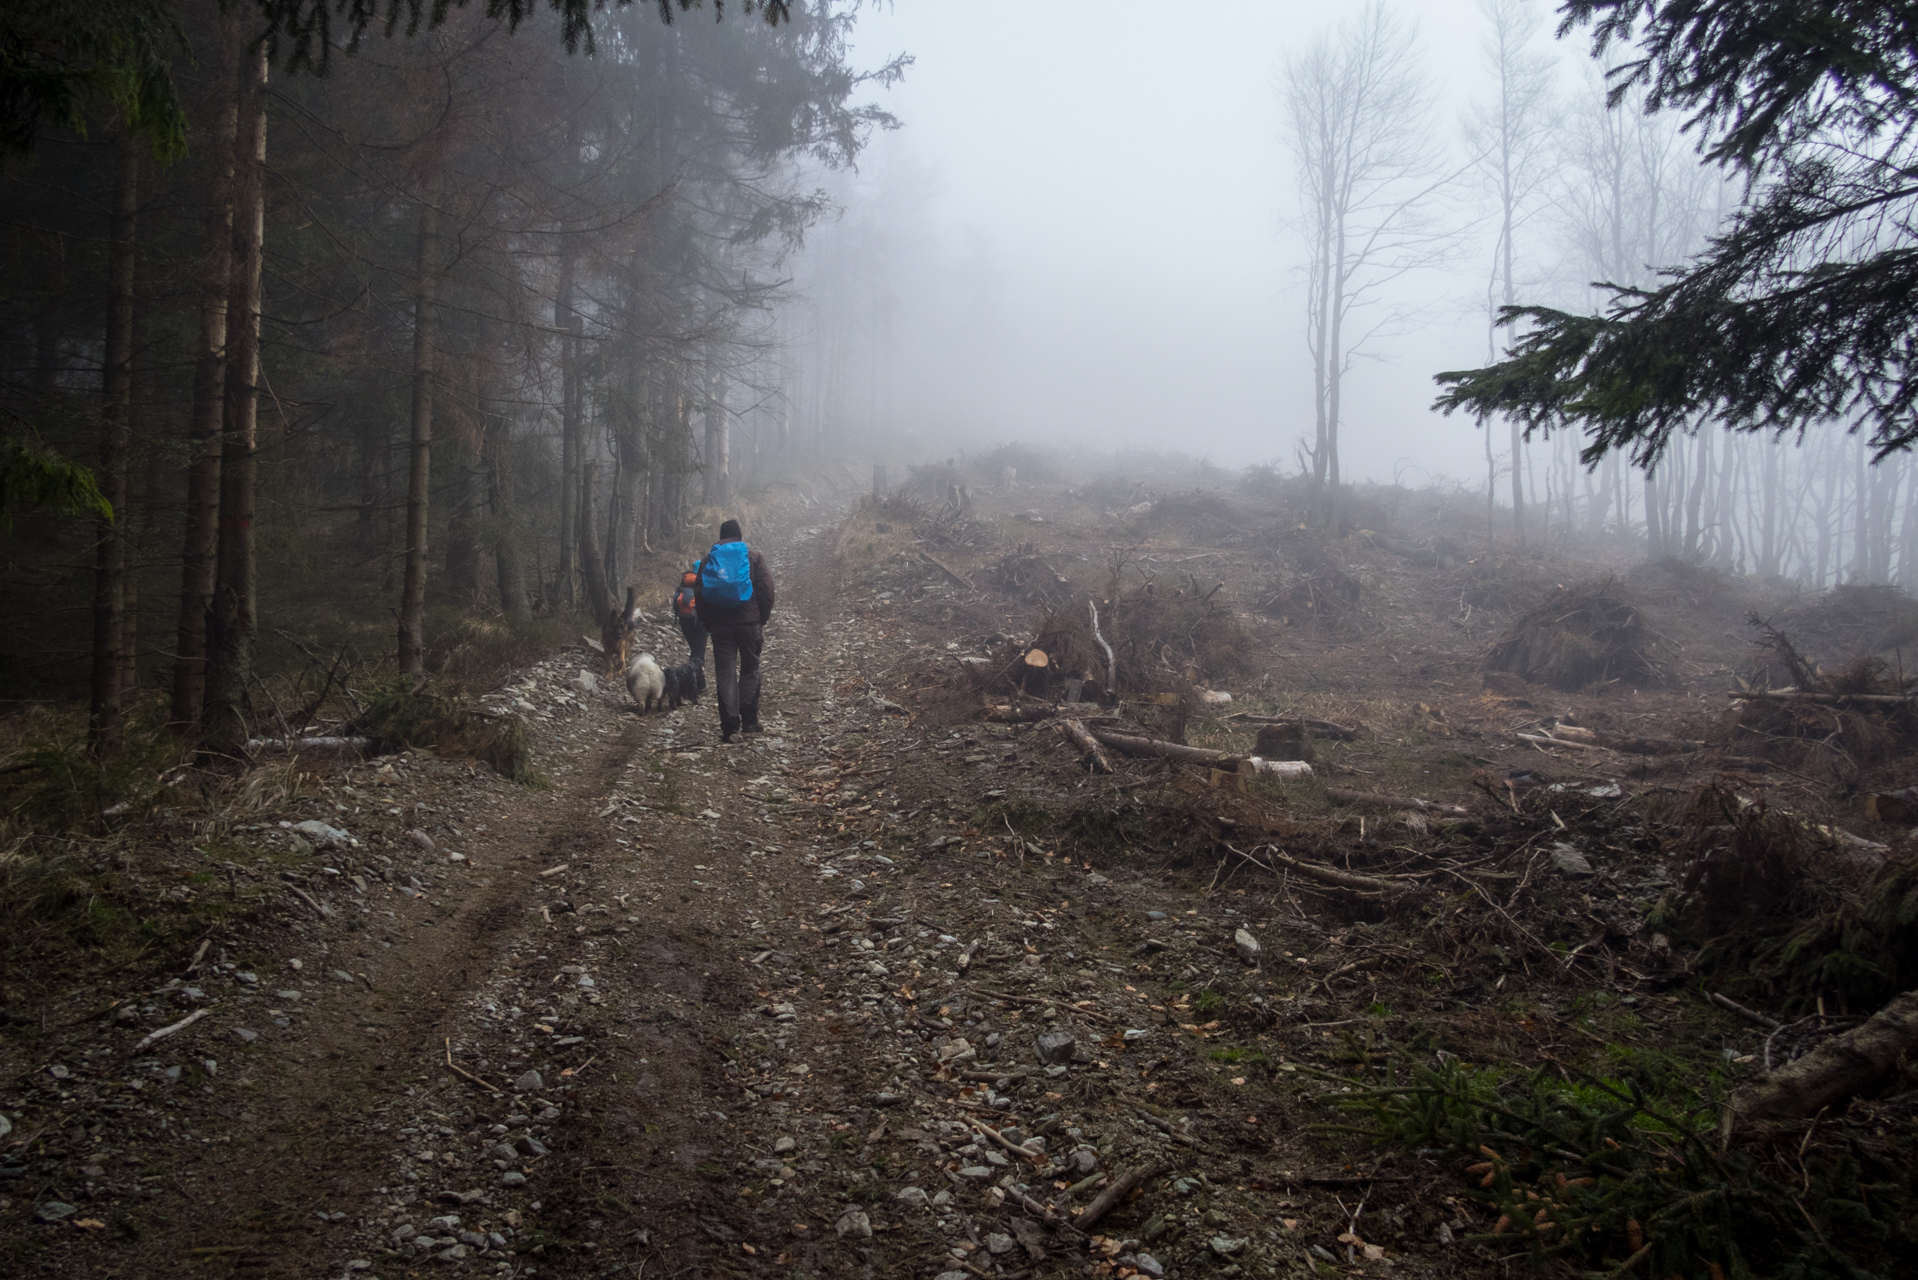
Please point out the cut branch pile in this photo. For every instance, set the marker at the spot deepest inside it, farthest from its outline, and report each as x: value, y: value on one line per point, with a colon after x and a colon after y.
x: 1581, y: 636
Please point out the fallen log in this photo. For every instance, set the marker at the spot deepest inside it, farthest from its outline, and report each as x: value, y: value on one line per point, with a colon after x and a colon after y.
x: 1375, y: 799
x: 1031, y: 713
x: 1324, y: 875
x: 1318, y: 728
x: 947, y: 569
x: 1806, y: 695
x: 1135, y: 746
x: 1834, y: 1071
x: 1626, y: 743
x: 1112, y: 1195
x: 1555, y: 742
x: 1095, y: 755
x: 309, y: 744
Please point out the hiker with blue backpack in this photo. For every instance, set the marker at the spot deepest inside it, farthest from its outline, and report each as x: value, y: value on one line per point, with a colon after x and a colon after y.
x: 734, y: 601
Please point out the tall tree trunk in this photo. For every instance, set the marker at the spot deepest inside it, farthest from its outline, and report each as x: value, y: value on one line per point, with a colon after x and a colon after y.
x: 1654, y: 517
x: 116, y: 408
x: 507, y: 554
x: 412, y: 647
x: 599, y: 597
x: 209, y: 398
x: 232, y: 620
x: 568, y: 324
x: 718, y: 442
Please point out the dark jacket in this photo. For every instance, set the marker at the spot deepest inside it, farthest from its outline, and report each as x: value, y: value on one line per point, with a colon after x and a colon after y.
x: 759, y: 609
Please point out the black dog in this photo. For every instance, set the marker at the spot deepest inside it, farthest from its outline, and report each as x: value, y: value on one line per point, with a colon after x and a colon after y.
x: 683, y: 683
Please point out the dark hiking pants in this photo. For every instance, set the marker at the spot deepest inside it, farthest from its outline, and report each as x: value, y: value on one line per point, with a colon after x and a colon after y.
x: 696, y: 642
x: 736, y: 672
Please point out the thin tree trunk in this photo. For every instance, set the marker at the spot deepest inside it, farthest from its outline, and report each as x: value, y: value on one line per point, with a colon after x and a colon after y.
x: 568, y: 324
x: 506, y: 532
x: 231, y: 621
x: 718, y: 443
x: 209, y: 396
x: 109, y: 583
x: 412, y: 637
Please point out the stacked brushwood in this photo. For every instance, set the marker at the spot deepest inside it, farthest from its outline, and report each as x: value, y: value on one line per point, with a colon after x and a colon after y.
x: 1581, y: 636
x: 1847, y: 722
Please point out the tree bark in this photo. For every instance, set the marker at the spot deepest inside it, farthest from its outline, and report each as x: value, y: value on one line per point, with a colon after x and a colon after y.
x: 412, y: 637
x: 1832, y: 1072
x: 231, y: 621
x: 568, y: 324
x: 209, y: 395
x: 110, y: 556
x: 599, y: 597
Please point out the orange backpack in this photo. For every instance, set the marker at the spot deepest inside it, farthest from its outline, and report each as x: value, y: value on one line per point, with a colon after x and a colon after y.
x: 683, y: 602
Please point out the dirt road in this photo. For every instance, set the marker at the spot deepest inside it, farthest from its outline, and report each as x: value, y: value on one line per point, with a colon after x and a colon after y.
x: 767, y: 1009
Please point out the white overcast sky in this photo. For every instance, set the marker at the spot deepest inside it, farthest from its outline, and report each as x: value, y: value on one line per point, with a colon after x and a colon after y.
x: 1112, y: 173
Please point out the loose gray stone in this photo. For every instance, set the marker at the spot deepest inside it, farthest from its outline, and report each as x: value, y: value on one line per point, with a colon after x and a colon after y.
x: 458, y: 1253
x: 531, y: 1146
x: 1225, y: 1246
x: 1149, y: 1266
x: 784, y: 1145
x: 529, y: 1083
x: 341, y: 975
x: 997, y: 1244
x: 405, y: 1232
x: 953, y: 1275
x: 512, y: 1178
x: 1055, y: 1048
x: 886, y: 1099
x: 505, y: 1151
x: 244, y: 1036
x: 53, y: 1211
x: 941, y: 1199
x: 1570, y: 861
x: 854, y: 1223
x: 1247, y: 946
x: 977, y: 1172
x: 1084, y: 1162
x: 913, y: 1196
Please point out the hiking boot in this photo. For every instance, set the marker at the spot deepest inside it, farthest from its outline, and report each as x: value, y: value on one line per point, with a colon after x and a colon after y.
x: 729, y: 737
x: 751, y: 726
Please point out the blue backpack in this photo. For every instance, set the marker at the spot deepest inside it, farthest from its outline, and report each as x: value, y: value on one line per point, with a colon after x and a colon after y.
x: 726, y: 576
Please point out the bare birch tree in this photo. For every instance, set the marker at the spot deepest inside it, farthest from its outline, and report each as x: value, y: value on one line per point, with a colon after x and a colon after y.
x: 1511, y: 135
x: 1357, y: 115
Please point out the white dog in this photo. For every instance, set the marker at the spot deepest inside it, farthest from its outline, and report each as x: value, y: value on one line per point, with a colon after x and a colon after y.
x: 647, y: 683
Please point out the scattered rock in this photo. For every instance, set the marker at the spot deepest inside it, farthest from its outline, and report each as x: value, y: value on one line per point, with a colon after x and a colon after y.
x: 913, y: 1196
x: 323, y: 835
x: 1148, y: 1265
x: 1055, y: 1048
x: 244, y: 1036
x: 886, y: 1099
x: 1246, y: 945
x: 854, y: 1223
x: 421, y: 839
x: 1225, y: 1246
x: 1570, y: 861
x: 783, y: 1145
x: 997, y: 1244
x: 53, y: 1211
x: 512, y: 1178
x: 529, y: 1083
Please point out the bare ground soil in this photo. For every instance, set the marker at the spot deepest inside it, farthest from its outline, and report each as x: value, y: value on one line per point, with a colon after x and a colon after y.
x: 772, y: 1009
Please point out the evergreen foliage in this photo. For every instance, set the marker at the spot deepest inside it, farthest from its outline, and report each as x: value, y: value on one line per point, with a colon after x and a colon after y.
x: 1801, y: 309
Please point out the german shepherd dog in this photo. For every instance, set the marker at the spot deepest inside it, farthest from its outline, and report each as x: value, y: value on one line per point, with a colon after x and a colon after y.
x: 616, y: 633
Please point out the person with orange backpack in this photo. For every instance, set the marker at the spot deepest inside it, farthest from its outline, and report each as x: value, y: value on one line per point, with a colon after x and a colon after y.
x: 686, y: 608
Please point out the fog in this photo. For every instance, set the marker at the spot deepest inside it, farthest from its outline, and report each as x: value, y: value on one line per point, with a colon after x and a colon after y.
x: 1082, y: 234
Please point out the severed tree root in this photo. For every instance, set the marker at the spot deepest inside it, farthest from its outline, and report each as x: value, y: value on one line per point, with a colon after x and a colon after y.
x: 1834, y: 1071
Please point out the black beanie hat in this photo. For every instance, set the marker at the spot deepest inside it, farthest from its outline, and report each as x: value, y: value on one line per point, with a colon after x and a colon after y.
x: 729, y: 532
